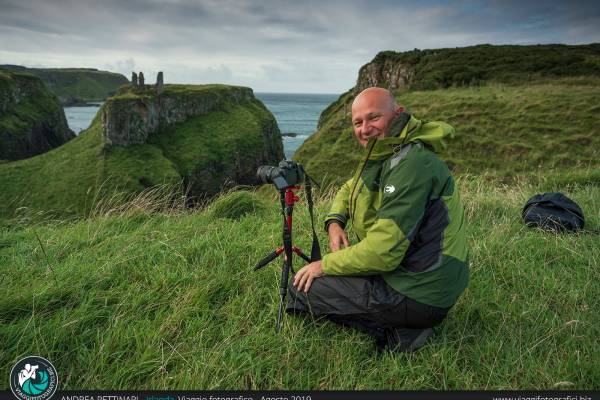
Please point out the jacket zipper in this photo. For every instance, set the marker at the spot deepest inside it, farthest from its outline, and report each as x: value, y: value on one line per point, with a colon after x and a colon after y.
x: 351, y: 203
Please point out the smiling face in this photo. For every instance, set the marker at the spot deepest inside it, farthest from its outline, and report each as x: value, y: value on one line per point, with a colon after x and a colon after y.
x: 372, y: 112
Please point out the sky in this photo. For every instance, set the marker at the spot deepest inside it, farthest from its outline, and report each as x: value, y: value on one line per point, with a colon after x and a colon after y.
x: 313, y: 46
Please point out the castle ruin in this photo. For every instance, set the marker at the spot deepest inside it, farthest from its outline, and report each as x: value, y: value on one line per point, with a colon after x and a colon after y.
x: 137, y: 82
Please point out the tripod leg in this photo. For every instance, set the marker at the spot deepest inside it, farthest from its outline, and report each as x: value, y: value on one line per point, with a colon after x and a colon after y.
x: 301, y: 254
x: 268, y: 258
x: 288, y: 210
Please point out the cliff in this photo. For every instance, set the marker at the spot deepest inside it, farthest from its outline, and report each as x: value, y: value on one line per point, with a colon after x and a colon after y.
x: 172, y: 119
x: 31, y: 118
x: 501, y: 99
x: 132, y: 116
x: 477, y: 65
x: 76, y: 85
x: 198, y: 138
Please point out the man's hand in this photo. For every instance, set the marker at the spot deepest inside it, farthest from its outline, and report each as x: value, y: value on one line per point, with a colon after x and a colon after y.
x: 306, y: 275
x: 337, y: 237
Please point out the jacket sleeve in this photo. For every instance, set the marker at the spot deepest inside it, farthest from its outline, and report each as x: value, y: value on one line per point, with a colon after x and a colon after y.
x: 406, y: 190
x: 339, y: 209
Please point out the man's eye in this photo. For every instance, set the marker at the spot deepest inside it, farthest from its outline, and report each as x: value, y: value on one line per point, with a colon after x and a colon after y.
x: 375, y: 117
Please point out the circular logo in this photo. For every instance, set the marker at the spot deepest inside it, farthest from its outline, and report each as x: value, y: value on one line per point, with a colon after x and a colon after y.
x: 389, y: 189
x: 33, y: 378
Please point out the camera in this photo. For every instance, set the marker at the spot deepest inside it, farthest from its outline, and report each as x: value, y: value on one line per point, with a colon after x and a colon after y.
x: 288, y: 173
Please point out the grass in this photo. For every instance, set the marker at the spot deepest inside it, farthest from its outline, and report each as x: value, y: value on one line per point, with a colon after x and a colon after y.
x: 511, y: 130
x: 154, y: 296
x: 64, y: 179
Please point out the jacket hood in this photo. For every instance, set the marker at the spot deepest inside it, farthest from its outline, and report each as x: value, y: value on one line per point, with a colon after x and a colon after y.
x: 433, y: 134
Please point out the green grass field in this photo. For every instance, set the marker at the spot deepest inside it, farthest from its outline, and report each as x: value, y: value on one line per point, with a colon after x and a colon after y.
x: 508, y: 130
x: 144, y: 297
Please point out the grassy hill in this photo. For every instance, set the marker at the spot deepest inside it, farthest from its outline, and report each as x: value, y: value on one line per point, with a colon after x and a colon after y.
x: 72, y: 178
x: 503, y: 129
x: 515, y: 108
x: 147, y: 299
x: 73, y: 85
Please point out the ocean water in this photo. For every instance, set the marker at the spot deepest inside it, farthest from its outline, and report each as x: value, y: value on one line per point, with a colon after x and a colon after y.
x: 295, y: 113
x: 80, y: 118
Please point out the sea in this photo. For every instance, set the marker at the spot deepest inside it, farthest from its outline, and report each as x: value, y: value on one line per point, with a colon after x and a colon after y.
x: 296, y: 113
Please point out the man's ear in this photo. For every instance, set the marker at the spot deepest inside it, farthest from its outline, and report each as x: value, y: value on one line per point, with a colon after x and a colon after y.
x: 399, y: 109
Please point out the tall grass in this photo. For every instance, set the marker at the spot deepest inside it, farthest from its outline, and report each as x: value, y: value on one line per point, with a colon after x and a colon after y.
x: 154, y: 296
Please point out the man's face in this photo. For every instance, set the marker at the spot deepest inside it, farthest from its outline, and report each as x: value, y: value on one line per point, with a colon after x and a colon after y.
x: 372, y: 113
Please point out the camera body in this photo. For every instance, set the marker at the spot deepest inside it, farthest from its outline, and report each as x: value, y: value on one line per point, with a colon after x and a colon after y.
x: 288, y: 173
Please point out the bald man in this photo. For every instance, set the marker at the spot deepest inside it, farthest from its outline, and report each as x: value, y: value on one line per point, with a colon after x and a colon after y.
x: 409, y: 264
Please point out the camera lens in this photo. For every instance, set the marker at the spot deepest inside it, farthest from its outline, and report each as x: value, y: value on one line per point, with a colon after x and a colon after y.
x: 263, y: 173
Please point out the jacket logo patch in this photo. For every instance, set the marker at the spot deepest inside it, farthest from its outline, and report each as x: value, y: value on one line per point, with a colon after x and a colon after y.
x: 389, y: 189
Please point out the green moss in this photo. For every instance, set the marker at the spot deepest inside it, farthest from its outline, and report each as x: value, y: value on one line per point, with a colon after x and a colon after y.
x: 134, y: 168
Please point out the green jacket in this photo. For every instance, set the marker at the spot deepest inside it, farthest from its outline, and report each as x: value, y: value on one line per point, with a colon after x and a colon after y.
x: 407, y: 215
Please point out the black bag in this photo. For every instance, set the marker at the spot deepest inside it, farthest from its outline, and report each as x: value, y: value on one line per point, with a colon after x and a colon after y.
x: 553, y: 212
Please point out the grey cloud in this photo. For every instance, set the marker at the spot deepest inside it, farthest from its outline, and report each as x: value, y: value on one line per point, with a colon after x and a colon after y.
x: 271, y: 45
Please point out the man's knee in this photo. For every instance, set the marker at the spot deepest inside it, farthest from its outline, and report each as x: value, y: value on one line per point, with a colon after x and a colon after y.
x: 296, y: 300
x: 313, y: 302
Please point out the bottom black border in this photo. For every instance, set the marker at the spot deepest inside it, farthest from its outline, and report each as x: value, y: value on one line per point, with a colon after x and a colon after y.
x: 315, y: 395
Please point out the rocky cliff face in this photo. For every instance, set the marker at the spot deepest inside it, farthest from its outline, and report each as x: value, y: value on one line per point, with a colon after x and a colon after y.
x: 385, y: 73
x: 135, y: 117
x: 31, y: 118
x: 130, y: 118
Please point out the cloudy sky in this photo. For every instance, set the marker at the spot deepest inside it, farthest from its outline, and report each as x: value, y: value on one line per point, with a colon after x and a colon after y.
x: 278, y: 46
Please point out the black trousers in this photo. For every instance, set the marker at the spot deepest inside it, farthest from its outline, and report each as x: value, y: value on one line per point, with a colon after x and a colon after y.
x: 366, y: 303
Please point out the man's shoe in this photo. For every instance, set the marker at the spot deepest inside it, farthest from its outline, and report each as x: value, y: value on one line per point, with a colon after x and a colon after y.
x: 407, y: 340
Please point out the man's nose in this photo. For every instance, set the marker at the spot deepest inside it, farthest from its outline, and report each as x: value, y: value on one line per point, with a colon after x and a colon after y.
x: 366, y: 127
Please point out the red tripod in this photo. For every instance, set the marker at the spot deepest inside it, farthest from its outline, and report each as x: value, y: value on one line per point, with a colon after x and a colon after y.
x: 288, y: 198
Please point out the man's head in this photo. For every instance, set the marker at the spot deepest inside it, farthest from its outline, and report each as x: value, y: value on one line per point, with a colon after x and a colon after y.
x: 372, y: 112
